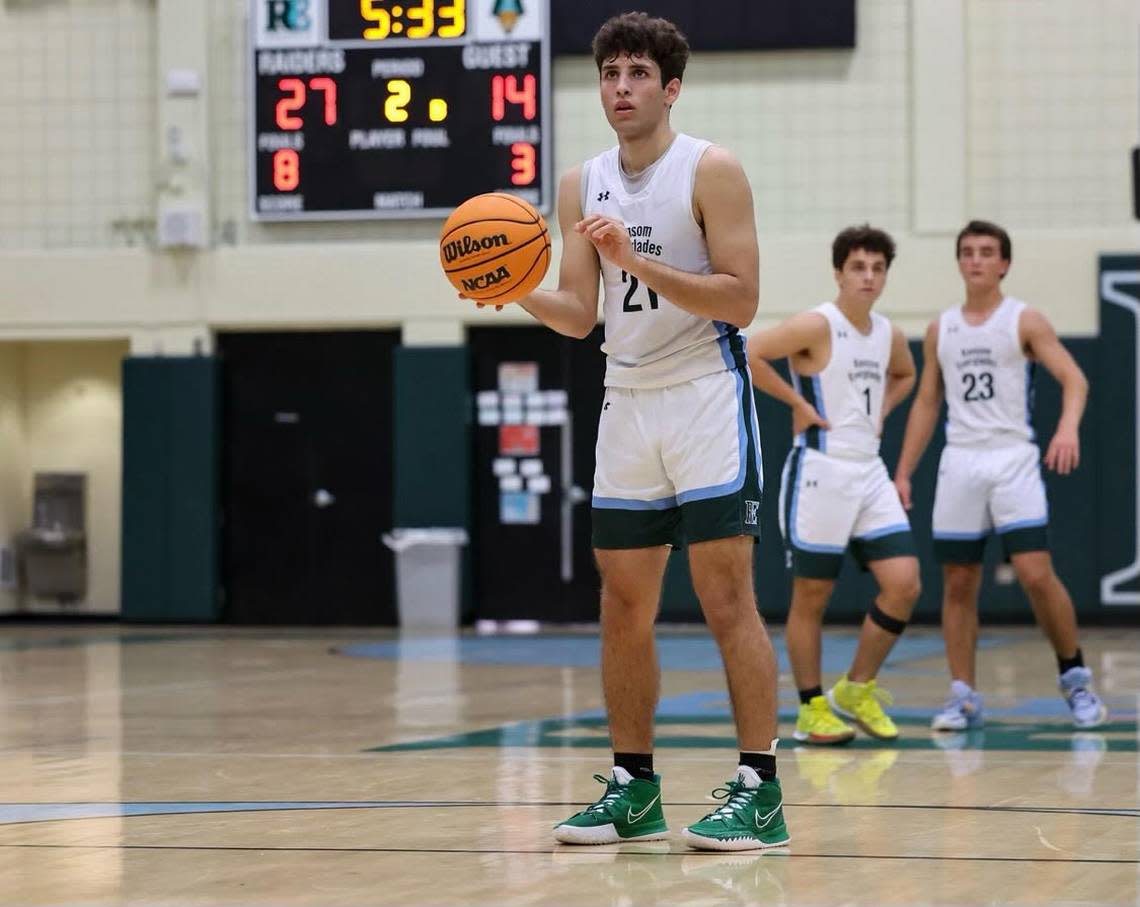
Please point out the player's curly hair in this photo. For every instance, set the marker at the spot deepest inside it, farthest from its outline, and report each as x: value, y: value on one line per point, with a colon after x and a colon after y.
x: 866, y: 237
x: 639, y: 33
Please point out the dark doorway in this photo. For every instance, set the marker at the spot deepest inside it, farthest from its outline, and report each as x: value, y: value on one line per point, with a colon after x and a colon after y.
x: 307, y: 477
x: 537, y: 563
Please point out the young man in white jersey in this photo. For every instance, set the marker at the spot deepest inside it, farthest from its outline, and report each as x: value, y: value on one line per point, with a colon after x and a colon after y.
x: 980, y: 357
x: 667, y: 222
x: 850, y: 367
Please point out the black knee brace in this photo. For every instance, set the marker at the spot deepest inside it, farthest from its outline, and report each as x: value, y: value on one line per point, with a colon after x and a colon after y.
x: 884, y: 620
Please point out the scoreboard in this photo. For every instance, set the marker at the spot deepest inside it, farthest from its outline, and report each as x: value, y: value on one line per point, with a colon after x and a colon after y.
x: 397, y: 108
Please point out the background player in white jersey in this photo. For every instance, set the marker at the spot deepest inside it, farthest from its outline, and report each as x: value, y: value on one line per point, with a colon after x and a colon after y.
x: 980, y: 358
x: 667, y: 222
x: 850, y: 368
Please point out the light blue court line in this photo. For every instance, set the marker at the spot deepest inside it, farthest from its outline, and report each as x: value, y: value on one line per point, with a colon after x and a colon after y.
x: 675, y: 653
x: 54, y: 812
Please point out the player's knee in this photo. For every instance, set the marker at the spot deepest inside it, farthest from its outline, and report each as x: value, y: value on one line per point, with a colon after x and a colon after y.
x: 960, y: 587
x: 1036, y: 576
x: 810, y: 596
x: 627, y: 606
x: 902, y: 594
x: 725, y: 613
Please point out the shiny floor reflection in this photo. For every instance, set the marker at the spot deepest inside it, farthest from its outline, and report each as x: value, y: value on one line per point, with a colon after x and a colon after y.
x: 213, y: 767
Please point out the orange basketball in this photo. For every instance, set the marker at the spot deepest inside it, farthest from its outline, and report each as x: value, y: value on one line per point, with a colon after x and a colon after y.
x: 495, y: 248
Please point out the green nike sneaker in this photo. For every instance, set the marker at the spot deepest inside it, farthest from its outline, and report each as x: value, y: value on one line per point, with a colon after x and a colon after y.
x: 629, y: 810
x: 752, y: 817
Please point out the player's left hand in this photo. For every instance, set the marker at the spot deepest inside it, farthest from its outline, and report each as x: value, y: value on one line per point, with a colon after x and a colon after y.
x: 610, y: 238
x: 481, y: 305
x: 1064, y: 453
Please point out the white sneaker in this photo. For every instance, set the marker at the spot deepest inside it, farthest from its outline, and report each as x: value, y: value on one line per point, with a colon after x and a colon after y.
x: 1087, y: 708
x: 961, y: 711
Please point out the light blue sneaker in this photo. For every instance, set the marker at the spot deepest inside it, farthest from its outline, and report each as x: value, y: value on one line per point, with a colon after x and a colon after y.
x: 962, y: 711
x: 1087, y: 708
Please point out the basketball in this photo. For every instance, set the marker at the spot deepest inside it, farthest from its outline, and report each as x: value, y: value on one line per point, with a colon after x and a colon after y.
x: 495, y: 248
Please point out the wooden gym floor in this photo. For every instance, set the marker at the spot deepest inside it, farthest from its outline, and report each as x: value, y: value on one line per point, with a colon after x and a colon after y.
x: 210, y: 766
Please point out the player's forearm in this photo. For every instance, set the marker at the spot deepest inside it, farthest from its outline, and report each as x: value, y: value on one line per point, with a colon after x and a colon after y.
x: 718, y: 297
x: 1074, y: 395
x: 919, y: 429
x: 769, y: 381
x: 561, y: 311
x: 898, y: 387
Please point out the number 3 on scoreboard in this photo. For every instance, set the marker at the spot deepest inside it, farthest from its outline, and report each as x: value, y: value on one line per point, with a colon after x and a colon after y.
x: 522, y: 163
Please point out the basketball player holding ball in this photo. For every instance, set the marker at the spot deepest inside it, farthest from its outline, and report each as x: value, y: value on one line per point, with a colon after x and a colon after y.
x: 667, y: 222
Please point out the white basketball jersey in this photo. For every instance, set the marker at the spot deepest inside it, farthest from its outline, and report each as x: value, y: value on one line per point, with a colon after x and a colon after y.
x: 848, y: 392
x: 988, y: 379
x: 649, y: 341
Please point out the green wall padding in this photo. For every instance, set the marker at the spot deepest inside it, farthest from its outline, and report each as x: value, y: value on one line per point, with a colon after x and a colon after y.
x: 170, y: 489
x: 432, y: 444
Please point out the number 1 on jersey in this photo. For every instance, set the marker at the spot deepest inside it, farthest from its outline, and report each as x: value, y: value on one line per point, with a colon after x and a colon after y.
x: 867, y: 395
x: 628, y: 305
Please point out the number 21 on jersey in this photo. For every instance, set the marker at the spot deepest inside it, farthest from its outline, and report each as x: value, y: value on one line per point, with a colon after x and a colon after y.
x: 628, y: 305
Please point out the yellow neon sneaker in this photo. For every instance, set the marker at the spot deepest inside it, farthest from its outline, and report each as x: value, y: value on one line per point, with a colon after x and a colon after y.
x: 817, y: 724
x: 861, y: 703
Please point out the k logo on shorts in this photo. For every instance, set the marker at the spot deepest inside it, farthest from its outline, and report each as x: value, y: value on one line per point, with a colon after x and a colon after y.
x: 751, y: 513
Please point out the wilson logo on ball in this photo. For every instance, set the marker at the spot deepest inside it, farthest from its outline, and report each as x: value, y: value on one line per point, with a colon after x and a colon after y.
x: 494, y: 248
x: 485, y: 281
x: 467, y: 245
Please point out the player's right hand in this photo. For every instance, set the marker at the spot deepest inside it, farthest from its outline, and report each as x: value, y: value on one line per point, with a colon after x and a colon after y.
x: 804, y: 416
x: 902, y: 486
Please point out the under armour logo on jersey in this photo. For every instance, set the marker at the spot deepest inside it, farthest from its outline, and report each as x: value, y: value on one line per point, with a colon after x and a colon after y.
x: 953, y: 329
x: 751, y: 513
x: 604, y: 196
x: 843, y: 334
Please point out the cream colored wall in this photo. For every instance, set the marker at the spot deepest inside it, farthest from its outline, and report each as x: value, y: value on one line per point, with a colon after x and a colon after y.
x: 15, y: 487
x: 1036, y: 108
x: 74, y: 423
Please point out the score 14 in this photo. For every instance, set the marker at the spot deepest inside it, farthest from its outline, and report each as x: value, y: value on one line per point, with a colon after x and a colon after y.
x: 506, y: 90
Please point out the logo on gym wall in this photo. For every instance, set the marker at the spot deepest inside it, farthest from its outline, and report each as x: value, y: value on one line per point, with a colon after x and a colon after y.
x: 1119, y: 418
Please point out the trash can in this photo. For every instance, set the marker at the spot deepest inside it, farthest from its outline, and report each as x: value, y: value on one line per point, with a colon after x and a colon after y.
x: 427, y: 576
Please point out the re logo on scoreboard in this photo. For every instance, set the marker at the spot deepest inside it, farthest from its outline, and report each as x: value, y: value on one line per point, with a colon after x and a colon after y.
x: 290, y: 14
x: 288, y: 23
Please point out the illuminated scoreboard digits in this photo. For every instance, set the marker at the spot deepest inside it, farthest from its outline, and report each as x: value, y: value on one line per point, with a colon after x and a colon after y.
x: 386, y: 109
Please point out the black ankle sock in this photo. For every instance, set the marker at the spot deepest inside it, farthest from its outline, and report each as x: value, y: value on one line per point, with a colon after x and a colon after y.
x: 1077, y: 661
x: 640, y: 765
x: 807, y: 696
x: 764, y: 763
